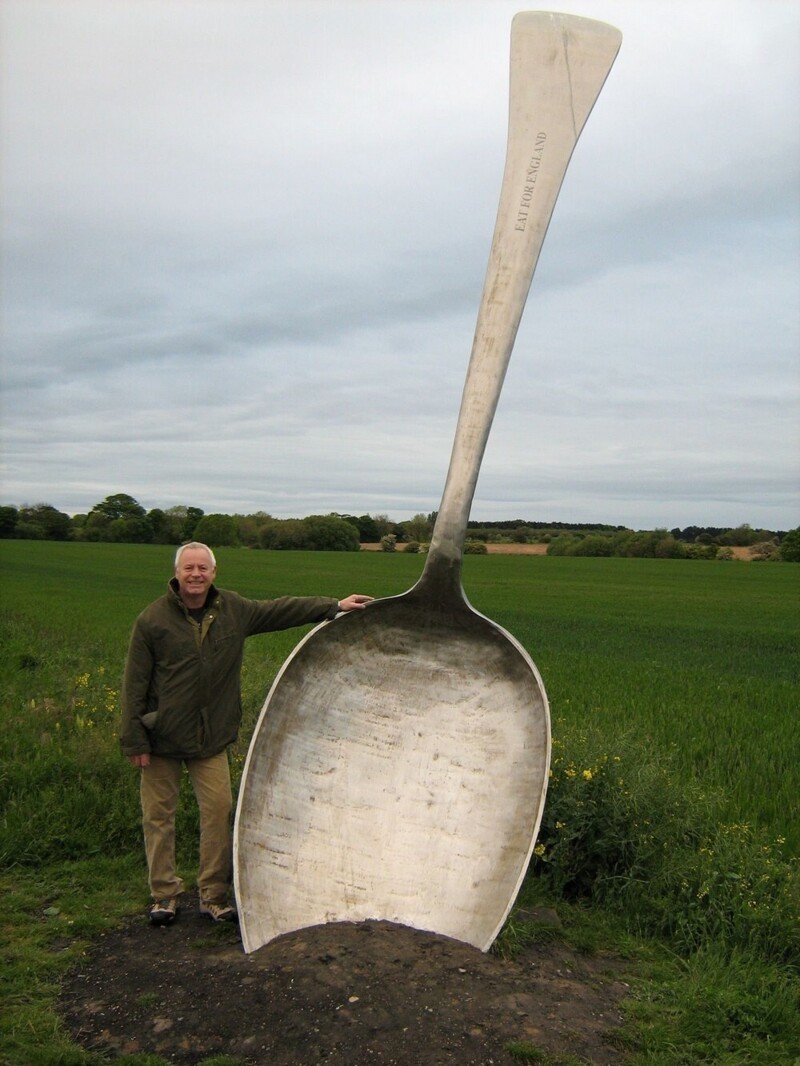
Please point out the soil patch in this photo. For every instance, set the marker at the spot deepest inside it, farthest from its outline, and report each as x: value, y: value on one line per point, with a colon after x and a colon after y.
x: 343, y: 993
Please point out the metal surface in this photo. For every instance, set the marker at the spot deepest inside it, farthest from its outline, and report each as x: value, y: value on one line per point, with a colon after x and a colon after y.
x: 399, y: 766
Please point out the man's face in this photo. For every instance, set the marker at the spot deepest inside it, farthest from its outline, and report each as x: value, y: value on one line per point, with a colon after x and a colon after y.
x: 195, y: 574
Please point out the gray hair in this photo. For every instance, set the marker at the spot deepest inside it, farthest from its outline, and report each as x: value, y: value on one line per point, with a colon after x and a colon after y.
x: 194, y: 544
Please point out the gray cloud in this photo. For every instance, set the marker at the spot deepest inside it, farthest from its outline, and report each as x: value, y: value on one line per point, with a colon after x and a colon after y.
x: 243, y: 248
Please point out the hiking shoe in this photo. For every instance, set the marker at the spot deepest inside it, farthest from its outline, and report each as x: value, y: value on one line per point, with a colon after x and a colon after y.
x: 163, y: 911
x: 218, y: 910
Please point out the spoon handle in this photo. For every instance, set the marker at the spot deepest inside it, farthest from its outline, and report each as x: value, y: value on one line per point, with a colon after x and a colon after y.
x: 559, y: 64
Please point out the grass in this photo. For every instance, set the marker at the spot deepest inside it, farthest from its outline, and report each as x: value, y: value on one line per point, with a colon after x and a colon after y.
x: 698, y: 660
x: 49, y: 915
x: 672, y: 823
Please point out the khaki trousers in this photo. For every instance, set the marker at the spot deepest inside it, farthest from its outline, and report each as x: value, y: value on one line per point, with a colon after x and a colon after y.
x: 160, y: 787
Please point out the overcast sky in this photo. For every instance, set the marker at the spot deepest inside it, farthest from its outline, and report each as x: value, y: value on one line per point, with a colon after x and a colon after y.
x: 243, y: 246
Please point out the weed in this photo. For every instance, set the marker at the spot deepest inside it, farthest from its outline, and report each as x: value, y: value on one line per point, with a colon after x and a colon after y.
x: 524, y: 1051
x: 524, y: 929
x: 222, y: 1060
x: 148, y: 999
x: 634, y: 835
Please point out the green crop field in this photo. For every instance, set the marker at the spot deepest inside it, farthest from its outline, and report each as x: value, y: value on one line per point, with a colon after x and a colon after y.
x: 673, y: 688
x: 697, y: 660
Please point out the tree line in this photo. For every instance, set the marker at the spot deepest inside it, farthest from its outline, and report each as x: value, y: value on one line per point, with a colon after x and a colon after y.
x: 122, y: 519
x: 763, y: 545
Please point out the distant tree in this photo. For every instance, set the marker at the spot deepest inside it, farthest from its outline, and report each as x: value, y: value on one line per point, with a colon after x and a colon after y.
x: 163, y: 529
x: 217, y: 531
x: 596, y: 544
x: 743, y: 536
x: 43, y: 522
x: 790, y: 547
x: 368, y: 532
x: 95, y: 527
x: 384, y: 524
x: 648, y: 544
x: 120, y: 505
x: 475, y: 547
x: 181, y: 522
x: 623, y: 542
x: 249, y: 527
x: 282, y: 534
x: 76, y: 526
x: 193, y: 516
x: 267, y: 536
x: 351, y: 518
x: 697, y: 534
x: 135, y: 529
x: 175, y: 523
x: 417, y: 528
x: 329, y: 533
x: 705, y: 551
x: 491, y: 536
x: 765, y: 551
x: 559, y: 545
x: 669, y: 547
x: 522, y: 535
x: 27, y: 531
x: 8, y: 521
x: 694, y: 534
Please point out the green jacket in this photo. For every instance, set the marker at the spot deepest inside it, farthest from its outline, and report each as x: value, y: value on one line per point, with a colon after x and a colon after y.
x: 181, y: 695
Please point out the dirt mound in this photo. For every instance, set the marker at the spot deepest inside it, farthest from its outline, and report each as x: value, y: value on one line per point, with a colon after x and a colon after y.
x: 346, y: 993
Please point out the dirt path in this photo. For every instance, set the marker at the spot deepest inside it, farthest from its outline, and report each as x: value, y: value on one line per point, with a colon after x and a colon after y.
x: 343, y: 993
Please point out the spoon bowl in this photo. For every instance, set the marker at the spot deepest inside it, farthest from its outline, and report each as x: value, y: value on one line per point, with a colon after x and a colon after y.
x: 392, y: 734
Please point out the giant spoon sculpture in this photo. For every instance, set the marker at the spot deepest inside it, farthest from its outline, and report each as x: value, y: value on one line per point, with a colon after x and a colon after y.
x: 399, y: 766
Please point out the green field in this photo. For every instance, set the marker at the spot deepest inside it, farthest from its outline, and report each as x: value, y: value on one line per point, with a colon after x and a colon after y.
x: 673, y: 688
x: 699, y: 660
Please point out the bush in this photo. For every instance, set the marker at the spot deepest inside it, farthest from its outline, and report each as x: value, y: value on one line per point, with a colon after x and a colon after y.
x: 316, y: 533
x: 329, y: 533
x: 281, y: 534
x: 66, y: 791
x: 790, y: 547
x: 475, y: 547
x: 217, y: 531
x: 765, y: 551
x: 626, y: 831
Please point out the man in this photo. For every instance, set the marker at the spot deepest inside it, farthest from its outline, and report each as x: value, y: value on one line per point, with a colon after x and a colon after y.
x: 181, y: 705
